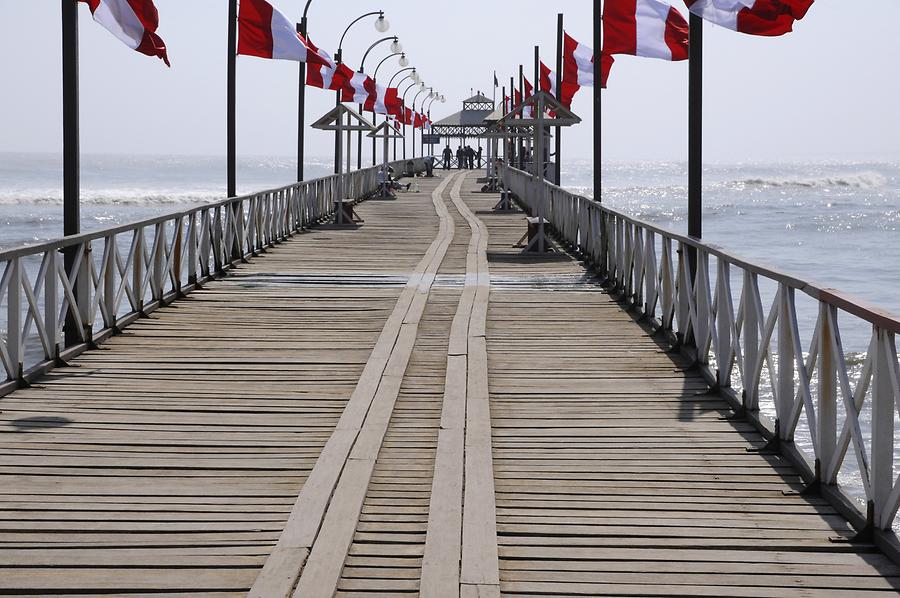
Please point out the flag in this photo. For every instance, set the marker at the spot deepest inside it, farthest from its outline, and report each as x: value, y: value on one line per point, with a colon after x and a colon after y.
x: 331, y: 75
x: 648, y: 28
x: 754, y: 17
x: 134, y: 22
x: 529, y: 91
x: 548, y: 80
x: 266, y: 33
x: 606, y: 62
x: 359, y: 89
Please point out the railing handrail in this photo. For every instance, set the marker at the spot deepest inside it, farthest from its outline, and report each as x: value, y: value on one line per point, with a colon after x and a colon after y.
x: 61, y: 305
x: 710, y: 303
x: 843, y: 300
x: 71, y: 240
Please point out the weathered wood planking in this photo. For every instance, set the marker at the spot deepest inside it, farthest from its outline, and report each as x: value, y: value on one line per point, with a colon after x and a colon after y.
x: 616, y: 474
x: 168, y: 460
x: 587, y: 460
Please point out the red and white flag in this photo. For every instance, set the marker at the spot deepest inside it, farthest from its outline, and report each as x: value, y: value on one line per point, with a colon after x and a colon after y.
x: 134, y: 22
x: 387, y: 101
x: 329, y: 76
x: 754, y: 17
x: 578, y: 62
x: 548, y: 80
x: 360, y: 89
x: 648, y: 28
x: 267, y: 33
x: 578, y: 69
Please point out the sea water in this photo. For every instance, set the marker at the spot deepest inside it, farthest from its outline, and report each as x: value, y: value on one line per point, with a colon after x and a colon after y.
x: 837, y: 223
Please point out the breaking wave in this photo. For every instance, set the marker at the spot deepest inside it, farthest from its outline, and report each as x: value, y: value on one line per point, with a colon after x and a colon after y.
x: 113, y: 197
x: 863, y: 180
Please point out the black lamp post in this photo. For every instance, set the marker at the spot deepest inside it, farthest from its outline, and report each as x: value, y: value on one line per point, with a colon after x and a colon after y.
x: 416, y: 97
x: 302, y: 28
x: 404, y: 62
x: 412, y: 75
x: 395, y: 48
x: 381, y: 25
x: 406, y: 91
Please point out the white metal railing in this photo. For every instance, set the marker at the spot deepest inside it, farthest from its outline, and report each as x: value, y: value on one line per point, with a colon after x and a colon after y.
x: 104, y: 280
x: 743, y: 346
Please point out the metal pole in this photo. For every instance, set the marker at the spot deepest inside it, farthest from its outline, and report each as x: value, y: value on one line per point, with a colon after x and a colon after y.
x: 513, y: 145
x: 337, y: 102
x: 540, y: 166
x: 301, y: 107
x: 560, y: 32
x: 695, y: 136
x: 71, y: 151
x: 522, y: 96
x: 598, y: 113
x: 231, y: 99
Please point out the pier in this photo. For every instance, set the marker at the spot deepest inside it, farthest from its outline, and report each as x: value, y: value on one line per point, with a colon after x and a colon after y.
x: 262, y: 403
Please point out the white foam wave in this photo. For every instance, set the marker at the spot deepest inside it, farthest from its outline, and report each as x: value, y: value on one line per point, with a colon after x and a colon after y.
x: 113, y: 197
x: 862, y: 180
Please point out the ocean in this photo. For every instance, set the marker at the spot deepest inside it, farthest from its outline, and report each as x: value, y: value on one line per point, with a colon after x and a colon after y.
x: 835, y: 222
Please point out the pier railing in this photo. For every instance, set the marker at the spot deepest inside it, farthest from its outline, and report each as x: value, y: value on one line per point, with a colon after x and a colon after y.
x: 743, y: 347
x: 102, y: 281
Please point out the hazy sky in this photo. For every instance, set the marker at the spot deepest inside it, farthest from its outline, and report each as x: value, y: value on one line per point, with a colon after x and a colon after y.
x: 828, y: 91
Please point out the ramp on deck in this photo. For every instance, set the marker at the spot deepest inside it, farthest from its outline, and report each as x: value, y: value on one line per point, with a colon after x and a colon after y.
x: 405, y: 408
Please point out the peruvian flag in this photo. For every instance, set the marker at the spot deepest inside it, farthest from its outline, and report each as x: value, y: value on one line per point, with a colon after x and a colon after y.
x: 578, y: 69
x: 648, y: 28
x: 548, y: 80
x: 754, y: 17
x: 359, y: 89
x: 330, y: 75
x: 134, y: 22
x: 266, y: 33
x: 418, y: 121
x: 527, y: 112
x: 387, y: 101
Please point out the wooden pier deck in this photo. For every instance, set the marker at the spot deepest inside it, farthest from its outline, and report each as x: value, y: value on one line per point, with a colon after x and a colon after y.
x: 407, y: 408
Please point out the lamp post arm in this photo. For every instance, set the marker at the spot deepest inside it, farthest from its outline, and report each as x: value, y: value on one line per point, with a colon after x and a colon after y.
x: 354, y: 22
x: 383, y: 60
x: 306, y: 8
x: 409, y: 68
x: 411, y: 85
x: 366, y: 55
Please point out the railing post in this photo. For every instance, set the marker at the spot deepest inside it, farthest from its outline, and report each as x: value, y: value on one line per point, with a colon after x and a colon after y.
x: 137, y: 269
x: 192, y: 249
x: 159, y: 261
x: 750, y: 333
x: 110, y: 269
x: 724, y: 318
x: 84, y: 288
x: 176, y: 253
x: 827, y: 404
x: 14, y: 318
x: 785, y: 393
x: 883, y: 413
x: 217, y: 239
x: 51, y: 305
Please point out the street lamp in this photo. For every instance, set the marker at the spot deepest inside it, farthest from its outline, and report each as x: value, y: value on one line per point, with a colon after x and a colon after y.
x: 381, y: 25
x: 404, y: 61
x: 414, y: 83
x: 416, y: 97
x: 395, y: 48
x: 432, y: 97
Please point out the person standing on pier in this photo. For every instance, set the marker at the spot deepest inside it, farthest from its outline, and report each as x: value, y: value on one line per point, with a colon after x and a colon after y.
x: 448, y: 155
x: 460, y: 158
x: 478, y: 156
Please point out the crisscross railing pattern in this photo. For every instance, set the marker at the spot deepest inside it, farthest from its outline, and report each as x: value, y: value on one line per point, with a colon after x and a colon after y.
x: 742, y: 347
x: 102, y: 281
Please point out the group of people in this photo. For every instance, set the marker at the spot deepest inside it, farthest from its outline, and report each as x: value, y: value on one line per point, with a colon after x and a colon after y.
x: 466, y: 157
